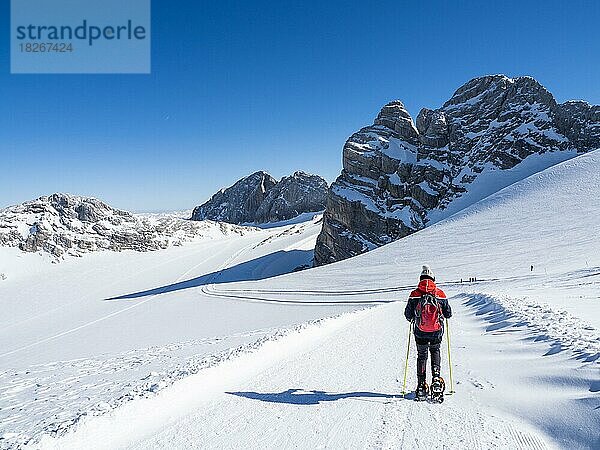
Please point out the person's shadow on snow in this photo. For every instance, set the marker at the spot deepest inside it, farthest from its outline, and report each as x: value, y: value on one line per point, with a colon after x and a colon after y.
x: 303, y: 397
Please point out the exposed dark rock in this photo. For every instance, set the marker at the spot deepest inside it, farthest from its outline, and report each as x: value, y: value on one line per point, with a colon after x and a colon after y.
x: 238, y: 203
x: 396, y: 176
x: 292, y: 196
x: 259, y: 198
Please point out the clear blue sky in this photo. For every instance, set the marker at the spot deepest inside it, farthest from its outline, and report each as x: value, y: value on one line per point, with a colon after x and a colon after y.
x: 242, y: 86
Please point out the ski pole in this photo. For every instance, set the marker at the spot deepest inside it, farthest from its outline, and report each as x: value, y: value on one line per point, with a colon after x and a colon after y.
x: 406, y: 363
x: 449, y: 359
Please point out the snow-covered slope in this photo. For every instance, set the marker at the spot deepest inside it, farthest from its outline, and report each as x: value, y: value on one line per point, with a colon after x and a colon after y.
x: 96, y: 327
x: 525, y: 343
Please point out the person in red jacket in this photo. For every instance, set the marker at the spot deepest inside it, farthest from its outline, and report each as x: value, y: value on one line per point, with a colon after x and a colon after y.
x: 427, y: 307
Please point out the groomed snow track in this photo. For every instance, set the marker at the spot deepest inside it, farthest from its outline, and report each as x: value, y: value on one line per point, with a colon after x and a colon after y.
x: 320, y: 386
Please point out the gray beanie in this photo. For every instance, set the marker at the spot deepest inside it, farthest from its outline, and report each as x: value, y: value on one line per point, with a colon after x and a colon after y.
x: 427, y: 272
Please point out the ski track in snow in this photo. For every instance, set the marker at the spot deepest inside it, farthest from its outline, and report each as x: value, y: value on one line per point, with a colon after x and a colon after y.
x: 135, y: 305
x: 315, y: 393
x: 473, y: 430
x: 212, y: 292
x: 499, y: 312
x: 84, y: 275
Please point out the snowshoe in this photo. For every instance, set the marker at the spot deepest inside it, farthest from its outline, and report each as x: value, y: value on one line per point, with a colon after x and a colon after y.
x: 437, y: 389
x: 421, y: 392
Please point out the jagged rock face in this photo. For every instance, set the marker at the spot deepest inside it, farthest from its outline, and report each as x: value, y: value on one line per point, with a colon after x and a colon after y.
x: 259, y: 198
x: 397, y: 176
x: 293, y: 196
x: 580, y: 123
x: 63, y: 224
x: 238, y: 203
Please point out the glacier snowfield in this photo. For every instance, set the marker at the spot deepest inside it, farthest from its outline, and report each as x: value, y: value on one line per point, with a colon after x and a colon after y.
x: 206, y: 346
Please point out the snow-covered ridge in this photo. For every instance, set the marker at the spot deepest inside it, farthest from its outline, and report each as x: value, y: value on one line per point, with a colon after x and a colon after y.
x: 64, y: 224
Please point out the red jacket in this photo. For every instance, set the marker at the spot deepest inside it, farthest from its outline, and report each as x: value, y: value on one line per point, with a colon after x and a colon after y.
x: 427, y: 287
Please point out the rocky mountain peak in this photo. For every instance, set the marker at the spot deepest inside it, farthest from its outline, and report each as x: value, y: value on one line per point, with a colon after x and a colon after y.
x: 395, y: 116
x: 64, y: 224
x: 396, y: 177
x: 493, y: 91
x: 238, y: 203
x: 263, y: 180
x: 480, y: 88
x: 85, y: 209
x: 259, y: 198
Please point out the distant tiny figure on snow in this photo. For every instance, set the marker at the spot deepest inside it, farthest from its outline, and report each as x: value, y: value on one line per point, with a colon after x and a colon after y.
x: 426, y: 309
x: 532, y: 268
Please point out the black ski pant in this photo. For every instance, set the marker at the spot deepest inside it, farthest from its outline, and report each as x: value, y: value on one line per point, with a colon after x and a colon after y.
x: 423, y: 347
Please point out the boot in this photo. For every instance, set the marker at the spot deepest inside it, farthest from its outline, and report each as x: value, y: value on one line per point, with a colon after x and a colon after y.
x: 422, y: 390
x: 437, y: 389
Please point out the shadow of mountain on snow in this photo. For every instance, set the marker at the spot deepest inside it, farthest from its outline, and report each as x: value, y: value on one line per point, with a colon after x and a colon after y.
x: 267, y: 266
